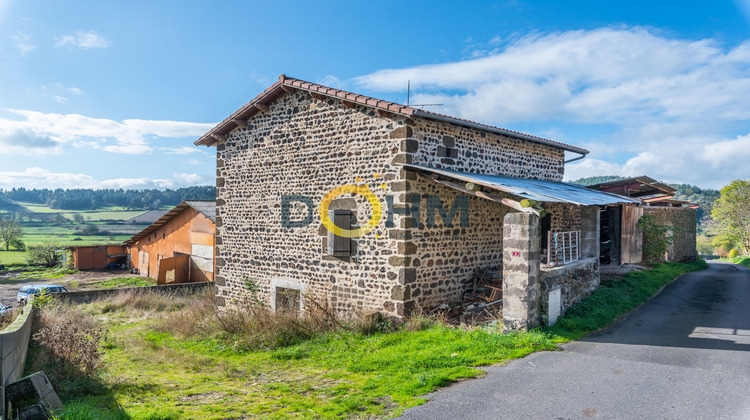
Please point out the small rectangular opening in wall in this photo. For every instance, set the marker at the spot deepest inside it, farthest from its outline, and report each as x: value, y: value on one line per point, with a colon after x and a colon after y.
x: 287, y: 300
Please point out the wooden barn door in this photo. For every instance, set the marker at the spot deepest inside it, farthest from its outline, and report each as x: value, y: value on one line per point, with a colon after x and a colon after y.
x: 632, y: 238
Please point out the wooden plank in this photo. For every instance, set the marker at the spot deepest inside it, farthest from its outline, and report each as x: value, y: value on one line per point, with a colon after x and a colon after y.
x: 505, y: 201
x: 632, y: 238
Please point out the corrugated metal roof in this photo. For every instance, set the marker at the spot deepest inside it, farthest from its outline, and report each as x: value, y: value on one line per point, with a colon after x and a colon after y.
x: 533, y: 189
x: 204, y: 207
x: 639, y: 186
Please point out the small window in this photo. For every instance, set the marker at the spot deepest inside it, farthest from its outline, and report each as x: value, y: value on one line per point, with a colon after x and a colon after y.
x: 448, y: 152
x: 339, y: 246
x: 287, y: 300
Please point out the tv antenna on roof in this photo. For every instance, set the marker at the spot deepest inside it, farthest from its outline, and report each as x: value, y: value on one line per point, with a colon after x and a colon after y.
x: 408, y: 97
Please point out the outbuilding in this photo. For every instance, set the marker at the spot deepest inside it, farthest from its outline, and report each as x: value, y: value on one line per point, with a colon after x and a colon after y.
x: 98, y: 257
x: 179, y: 246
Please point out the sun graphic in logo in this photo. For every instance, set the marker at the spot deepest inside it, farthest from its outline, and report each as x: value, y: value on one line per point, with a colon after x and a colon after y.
x: 364, y: 191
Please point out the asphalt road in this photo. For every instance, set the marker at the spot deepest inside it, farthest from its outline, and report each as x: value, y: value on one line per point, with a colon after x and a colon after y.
x: 683, y: 355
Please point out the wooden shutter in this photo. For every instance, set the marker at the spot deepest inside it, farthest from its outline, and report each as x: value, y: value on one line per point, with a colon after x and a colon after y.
x: 339, y: 246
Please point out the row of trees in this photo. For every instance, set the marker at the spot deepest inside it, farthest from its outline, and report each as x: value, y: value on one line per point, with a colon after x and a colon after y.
x: 88, y: 199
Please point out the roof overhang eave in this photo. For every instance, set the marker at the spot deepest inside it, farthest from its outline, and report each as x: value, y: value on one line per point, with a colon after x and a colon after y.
x: 499, y: 130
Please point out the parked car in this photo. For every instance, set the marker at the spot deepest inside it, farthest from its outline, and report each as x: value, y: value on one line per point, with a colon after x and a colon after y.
x: 5, y: 310
x: 32, y: 289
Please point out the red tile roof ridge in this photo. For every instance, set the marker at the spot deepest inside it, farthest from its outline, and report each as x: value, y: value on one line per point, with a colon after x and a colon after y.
x: 228, y: 124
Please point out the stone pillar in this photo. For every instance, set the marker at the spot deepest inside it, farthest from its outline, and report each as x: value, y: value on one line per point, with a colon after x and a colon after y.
x: 590, y: 232
x: 521, y: 247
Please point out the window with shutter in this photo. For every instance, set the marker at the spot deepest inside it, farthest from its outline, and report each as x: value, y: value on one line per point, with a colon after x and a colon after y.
x: 339, y: 246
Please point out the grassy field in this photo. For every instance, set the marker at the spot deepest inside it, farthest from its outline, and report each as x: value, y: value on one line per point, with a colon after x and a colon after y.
x: 106, y: 213
x: 174, y: 358
x: 108, y: 219
x: 12, y: 257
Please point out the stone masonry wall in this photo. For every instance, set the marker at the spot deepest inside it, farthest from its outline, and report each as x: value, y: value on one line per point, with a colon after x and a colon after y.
x: 576, y: 280
x: 439, y: 261
x: 521, y: 271
x: 305, y: 146
x: 477, y: 151
x: 683, y: 223
x: 446, y: 258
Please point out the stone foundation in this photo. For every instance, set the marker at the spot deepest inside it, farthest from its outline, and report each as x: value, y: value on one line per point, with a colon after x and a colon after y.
x: 576, y: 281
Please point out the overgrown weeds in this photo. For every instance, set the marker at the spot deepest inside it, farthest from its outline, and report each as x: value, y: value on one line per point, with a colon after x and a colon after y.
x: 74, y: 350
x: 250, y: 325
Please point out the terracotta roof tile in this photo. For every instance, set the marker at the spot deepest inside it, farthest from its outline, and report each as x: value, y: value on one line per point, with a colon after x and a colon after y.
x: 249, y: 109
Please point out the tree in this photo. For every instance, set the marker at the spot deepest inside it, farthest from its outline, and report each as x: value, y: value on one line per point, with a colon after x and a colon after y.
x: 60, y: 219
x: 44, y: 254
x: 731, y: 212
x: 78, y: 217
x: 90, y: 230
x: 9, y: 231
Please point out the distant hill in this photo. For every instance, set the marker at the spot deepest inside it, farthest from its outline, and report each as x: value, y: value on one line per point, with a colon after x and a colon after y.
x: 90, y: 199
x: 597, y: 179
x: 10, y: 207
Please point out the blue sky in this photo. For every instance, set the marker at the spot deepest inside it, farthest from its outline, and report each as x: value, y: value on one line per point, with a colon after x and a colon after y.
x: 113, y: 94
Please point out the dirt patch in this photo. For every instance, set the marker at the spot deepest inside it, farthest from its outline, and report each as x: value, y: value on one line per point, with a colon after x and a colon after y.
x: 10, y: 282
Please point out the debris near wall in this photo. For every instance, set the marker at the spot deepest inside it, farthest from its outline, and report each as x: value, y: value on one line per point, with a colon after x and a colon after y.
x: 32, y: 398
x: 480, y: 304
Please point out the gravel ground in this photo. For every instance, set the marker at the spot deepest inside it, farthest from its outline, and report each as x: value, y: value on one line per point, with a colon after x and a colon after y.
x: 9, y: 282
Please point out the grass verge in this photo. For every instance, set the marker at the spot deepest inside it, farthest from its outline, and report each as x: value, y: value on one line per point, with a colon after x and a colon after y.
x: 126, y: 282
x: 162, y: 361
x: 740, y: 260
x: 617, y: 297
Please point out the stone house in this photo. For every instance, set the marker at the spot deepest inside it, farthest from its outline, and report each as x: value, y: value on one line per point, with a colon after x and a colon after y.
x: 376, y: 206
x: 179, y: 246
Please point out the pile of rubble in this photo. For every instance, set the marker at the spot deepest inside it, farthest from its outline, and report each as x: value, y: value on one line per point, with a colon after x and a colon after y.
x: 481, y: 303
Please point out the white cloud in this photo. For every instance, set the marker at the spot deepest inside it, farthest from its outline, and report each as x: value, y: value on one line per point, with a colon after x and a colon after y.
x: 699, y: 161
x: 43, y: 178
x: 669, y: 102
x: 51, y: 131
x: 81, y: 39
x: 185, y: 150
x: 23, y: 43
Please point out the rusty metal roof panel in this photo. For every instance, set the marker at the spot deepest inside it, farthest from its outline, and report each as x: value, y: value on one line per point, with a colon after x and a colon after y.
x: 533, y: 189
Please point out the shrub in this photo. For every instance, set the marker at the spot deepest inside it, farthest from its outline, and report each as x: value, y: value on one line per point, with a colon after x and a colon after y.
x: 44, y: 254
x: 70, y: 341
x: 655, y: 239
x: 733, y: 253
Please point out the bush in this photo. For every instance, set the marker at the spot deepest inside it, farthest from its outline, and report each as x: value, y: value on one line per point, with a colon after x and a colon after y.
x: 70, y: 341
x: 655, y: 239
x: 733, y: 253
x: 44, y: 254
